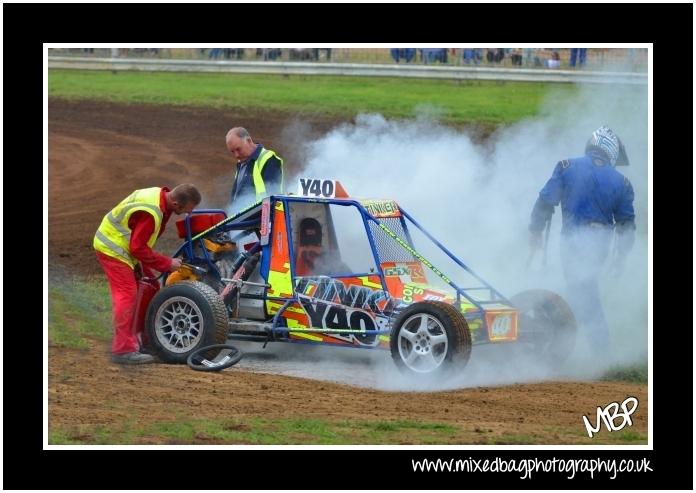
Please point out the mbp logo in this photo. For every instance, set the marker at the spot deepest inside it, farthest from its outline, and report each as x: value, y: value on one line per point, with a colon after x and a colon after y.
x: 610, y: 414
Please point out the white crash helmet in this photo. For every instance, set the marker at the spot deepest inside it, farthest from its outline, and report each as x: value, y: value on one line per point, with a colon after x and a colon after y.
x: 605, y: 140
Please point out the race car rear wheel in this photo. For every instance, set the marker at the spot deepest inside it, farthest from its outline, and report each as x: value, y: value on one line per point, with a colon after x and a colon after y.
x: 429, y: 337
x: 183, y: 317
x: 547, y: 325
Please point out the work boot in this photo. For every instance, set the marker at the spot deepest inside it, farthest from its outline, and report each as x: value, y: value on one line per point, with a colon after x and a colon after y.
x: 134, y: 358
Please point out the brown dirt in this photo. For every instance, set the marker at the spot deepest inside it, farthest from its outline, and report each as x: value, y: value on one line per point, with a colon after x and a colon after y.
x: 98, y: 153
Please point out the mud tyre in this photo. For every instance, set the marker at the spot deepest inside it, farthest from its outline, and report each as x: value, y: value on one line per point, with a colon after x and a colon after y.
x: 184, y: 317
x: 430, y: 337
x: 547, y: 327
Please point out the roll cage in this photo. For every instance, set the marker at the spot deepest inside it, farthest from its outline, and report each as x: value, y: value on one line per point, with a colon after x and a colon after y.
x: 259, y: 217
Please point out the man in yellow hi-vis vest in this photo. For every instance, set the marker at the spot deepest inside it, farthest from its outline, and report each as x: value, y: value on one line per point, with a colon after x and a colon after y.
x: 259, y: 171
x: 124, y: 243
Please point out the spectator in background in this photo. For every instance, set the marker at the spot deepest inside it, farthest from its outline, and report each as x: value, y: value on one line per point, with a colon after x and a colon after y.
x: 430, y: 55
x: 554, y: 61
x: 237, y: 53
x: 228, y: 53
x: 596, y: 203
x: 495, y: 55
x: 516, y: 57
x: 303, y: 54
x: 407, y: 54
x: 472, y: 54
x: 327, y: 51
x: 528, y: 57
x: 259, y: 171
x: 268, y: 53
x: 579, y: 54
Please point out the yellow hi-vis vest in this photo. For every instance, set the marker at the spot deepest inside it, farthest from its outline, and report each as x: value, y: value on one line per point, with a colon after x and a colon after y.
x: 259, y: 185
x: 113, y: 236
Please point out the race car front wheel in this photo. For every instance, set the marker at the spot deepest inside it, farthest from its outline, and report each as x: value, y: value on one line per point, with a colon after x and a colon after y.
x: 547, y: 325
x: 430, y: 337
x: 184, y: 317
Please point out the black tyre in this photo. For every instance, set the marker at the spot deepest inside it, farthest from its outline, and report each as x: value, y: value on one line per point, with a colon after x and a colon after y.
x: 430, y: 337
x: 227, y: 355
x: 547, y: 326
x: 183, y: 317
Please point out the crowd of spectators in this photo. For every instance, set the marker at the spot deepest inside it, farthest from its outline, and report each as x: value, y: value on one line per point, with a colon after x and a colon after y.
x: 542, y: 58
x: 516, y: 57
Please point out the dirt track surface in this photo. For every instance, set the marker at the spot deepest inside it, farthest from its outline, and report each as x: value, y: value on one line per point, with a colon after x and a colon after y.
x: 99, y: 153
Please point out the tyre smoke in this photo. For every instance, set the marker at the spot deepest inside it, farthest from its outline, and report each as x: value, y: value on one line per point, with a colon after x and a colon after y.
x: 475, y: 195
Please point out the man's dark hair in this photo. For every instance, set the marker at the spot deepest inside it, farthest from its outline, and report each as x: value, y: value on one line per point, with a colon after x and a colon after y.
x: 186, y: 194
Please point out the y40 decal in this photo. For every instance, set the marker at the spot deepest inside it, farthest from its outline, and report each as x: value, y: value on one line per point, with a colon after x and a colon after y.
x: 353, y: 321
x: 337, y: 317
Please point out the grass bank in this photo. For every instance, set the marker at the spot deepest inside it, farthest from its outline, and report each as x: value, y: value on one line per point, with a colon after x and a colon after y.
x: 453, y: 102
x: 260, y: 431
x: 635, y: 373
x: 78, y: 309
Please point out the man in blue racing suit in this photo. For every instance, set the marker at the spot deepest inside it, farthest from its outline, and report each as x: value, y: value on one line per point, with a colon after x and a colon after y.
x: 596, y: 200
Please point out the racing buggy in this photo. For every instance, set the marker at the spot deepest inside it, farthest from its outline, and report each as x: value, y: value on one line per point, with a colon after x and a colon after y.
x: 322, y: 267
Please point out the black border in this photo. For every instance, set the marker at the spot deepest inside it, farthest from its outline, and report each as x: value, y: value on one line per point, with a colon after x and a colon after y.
x: 27, y: 26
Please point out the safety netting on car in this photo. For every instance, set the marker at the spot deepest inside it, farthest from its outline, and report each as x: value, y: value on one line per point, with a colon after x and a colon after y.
x: 387, y: 248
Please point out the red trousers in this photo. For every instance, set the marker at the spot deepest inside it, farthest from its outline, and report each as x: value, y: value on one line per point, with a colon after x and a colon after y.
x: 124, y: 291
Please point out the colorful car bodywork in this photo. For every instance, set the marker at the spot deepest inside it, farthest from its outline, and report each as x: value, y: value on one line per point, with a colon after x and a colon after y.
x: 353, y: 308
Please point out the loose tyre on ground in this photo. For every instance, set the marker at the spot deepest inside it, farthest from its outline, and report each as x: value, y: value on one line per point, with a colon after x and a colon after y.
x: 227, y: 356
x: 183, y: 317
x: 547, y: 325
x: 430, y: 337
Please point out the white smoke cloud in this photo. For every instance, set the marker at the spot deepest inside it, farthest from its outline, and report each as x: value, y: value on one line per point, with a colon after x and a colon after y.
x: 477, y: 197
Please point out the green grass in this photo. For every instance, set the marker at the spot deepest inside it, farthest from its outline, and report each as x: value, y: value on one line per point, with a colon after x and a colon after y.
x: 452, y: 101
x: 578, y: 435
x: 632, y: 436
x: 64, y: 437
x: 259, y: 431
x: 78, y: 309
x: 636, y: 373
x: 283, y: 431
